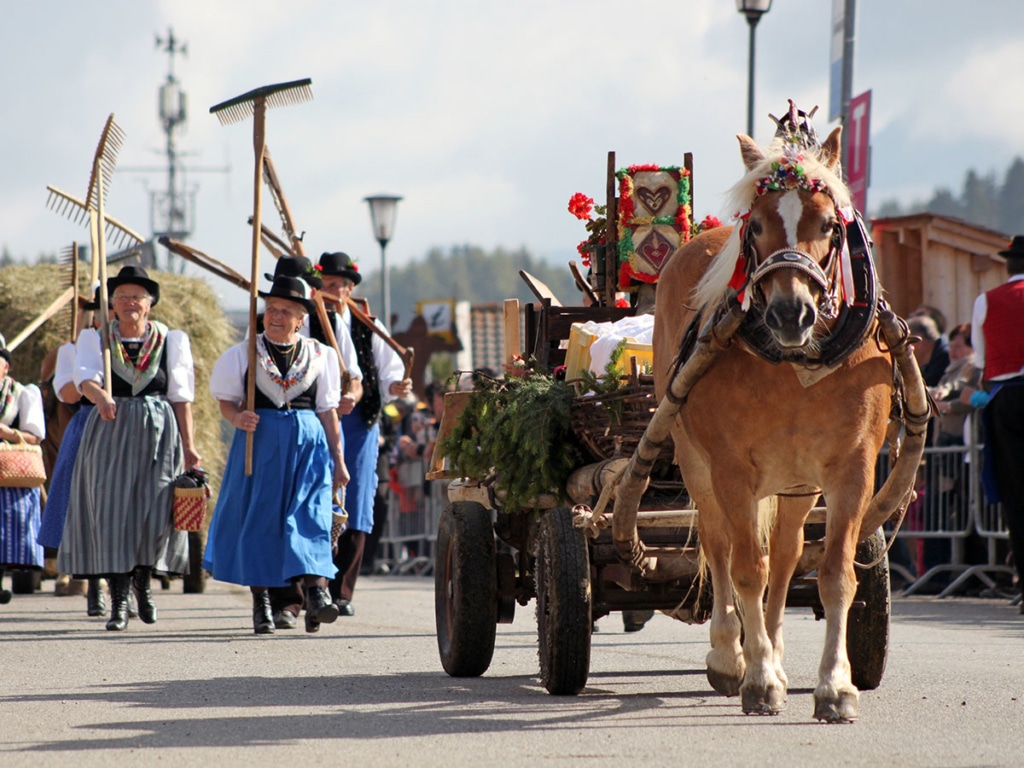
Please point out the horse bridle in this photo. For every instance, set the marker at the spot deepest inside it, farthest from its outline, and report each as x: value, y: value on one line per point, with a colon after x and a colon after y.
x: 853, y: 319
x: 801, y: 261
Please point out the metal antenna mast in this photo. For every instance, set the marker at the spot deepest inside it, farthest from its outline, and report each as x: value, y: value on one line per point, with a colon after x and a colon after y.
x: 167, y: 210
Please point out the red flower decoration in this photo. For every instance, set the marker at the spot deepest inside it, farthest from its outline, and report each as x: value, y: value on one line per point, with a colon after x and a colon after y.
x: 710, y: 222
x: 621, y: 303
x: 647, y: 167
x: 318, y: 267
x: 580, y: 206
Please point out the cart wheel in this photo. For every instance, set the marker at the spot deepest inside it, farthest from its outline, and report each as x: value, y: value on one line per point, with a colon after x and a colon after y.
x: 194, y: 582
x: 867, y: 632
x: 563, y: 603
x: 465, y: 589
x: 25, y: 582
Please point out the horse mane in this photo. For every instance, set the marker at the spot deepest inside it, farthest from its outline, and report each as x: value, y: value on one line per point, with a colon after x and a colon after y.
x: 712, y: 287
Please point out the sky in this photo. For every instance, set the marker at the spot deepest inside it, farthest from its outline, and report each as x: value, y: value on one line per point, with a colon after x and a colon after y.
x: 484, y: 116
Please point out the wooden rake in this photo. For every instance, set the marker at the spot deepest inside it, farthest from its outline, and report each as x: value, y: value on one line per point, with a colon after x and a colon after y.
x: 255, y: 103
x: 101, y: 226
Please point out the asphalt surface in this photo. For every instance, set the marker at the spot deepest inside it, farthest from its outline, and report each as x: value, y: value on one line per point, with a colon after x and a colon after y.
x: 198, y: 688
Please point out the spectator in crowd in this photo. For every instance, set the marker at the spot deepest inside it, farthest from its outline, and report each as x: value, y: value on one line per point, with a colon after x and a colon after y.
x: 932, y: 351
x: 275, y: 525
x: 135, y: 443
x: 998, y: 340
x: 960, y: 373
x: 935, y: 314
x: 21, y: 420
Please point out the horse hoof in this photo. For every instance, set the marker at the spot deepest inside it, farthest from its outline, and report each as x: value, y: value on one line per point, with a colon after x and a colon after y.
x: 842, y: 709
x: 723, y: 683
x: 769, y: 702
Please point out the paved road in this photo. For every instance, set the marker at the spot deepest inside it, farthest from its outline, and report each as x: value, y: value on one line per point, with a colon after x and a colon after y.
x: 198, y: 688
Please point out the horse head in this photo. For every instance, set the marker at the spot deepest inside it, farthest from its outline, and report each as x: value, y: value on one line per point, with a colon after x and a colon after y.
x: 791, y: 238
x: 783, y: 259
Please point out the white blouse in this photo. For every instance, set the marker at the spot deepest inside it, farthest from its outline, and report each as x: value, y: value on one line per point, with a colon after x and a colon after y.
x: 390, y: 368
x: 227, y: 382
x: 181, y: 381
x: 64, y: 370
x: 29, y: 410
x: 345, y: 346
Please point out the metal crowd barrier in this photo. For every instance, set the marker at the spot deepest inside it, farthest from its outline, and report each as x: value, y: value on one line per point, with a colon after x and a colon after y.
x: 408, y: 541
x: 950, y: 507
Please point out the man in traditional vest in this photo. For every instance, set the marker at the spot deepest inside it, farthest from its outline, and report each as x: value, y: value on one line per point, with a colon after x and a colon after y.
x: 997, y: 335
x: 383, y: 381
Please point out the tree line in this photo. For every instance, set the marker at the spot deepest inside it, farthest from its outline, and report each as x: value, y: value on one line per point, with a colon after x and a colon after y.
x: 984, y: 200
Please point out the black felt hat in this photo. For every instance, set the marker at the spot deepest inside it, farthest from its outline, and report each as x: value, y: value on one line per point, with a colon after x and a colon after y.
x: 132, y: 274
x: 1016, y: 248
x: 297, y: 266
x: 340, y: 264
x: 291, y: 288
x: 4, y: 352
x: 90, y: 304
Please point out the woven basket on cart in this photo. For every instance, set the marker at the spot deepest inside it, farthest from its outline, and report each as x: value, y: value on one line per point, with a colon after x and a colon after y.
x: 611, y: 425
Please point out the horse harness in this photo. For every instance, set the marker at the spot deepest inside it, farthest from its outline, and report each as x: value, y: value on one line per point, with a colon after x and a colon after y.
x: 853, y: 319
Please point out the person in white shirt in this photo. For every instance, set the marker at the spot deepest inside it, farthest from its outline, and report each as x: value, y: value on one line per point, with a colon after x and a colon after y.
x: 274, y: 526
x: 383, y: 380
x: 136, y: 442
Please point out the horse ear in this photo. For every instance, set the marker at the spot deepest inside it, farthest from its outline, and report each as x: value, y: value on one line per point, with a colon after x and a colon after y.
x: 831, y: 150
x: 752, y: 154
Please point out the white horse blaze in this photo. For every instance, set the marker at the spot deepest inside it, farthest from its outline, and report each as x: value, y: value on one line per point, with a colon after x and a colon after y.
x: 791, y: 209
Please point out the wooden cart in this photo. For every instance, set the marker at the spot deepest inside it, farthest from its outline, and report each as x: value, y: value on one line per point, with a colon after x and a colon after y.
x: 490, y: 558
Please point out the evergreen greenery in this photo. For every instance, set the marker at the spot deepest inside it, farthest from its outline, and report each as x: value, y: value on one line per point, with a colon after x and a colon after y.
x: 517, y: 429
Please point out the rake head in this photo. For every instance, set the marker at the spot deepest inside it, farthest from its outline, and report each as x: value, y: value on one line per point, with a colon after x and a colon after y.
x: 278, y: 95
x: 75, y: 210
x: 68, y: 261
x: 106, y: 159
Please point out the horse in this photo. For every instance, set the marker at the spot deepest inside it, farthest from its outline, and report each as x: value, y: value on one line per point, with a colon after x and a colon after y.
x: 796, y: 405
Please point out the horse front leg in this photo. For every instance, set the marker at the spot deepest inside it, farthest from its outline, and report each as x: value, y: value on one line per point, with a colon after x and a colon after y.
x: 784, y: 551
x: 724, y: 662
x: 762, y: 691
x: 836, y: 698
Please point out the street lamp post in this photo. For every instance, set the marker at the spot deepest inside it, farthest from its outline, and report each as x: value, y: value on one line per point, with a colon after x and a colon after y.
x: 753, y: 10
x: 382, y: 217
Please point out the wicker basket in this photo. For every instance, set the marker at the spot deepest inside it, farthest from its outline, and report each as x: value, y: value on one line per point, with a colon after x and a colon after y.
x: 190, y: 507
x: 611, y: 424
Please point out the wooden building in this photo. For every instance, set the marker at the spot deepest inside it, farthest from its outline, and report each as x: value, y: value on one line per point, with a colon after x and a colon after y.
x: 937, y: 260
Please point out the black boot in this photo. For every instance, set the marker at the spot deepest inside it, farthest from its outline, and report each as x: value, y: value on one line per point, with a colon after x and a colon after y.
x: 95, y: 600
x: 143, y: 594
x: 262, y: 615
x: 5, y: 594
x: 119, y: 587
x: 319, y: 608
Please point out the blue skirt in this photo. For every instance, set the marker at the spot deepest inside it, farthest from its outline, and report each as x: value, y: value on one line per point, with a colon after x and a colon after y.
x: 361, y: 448
x: 19, y: 526
x: 56, y: 509
x: 276, y: 524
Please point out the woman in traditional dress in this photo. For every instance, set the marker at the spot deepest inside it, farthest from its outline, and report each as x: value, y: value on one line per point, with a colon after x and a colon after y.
x: 134, y: 445
x: 275, y: 525
x: 21, y: 420
x: 56, y: 509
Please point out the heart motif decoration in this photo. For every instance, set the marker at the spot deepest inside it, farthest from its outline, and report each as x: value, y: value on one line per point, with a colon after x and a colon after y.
x: 655, y: 249
x: 653, y: 199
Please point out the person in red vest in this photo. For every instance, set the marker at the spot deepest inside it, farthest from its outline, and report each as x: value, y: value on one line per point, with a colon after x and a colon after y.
x: 997, y: 336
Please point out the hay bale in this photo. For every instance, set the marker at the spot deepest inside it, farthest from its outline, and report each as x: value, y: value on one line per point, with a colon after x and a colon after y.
x: 186, y: 303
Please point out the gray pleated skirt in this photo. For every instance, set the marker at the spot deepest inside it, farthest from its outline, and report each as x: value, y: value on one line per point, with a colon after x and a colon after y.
x: 119, y: 514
